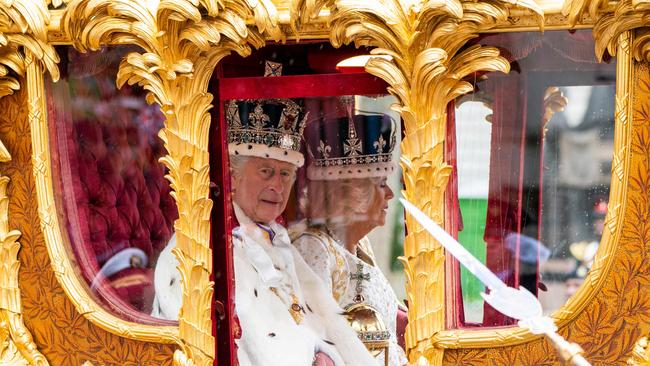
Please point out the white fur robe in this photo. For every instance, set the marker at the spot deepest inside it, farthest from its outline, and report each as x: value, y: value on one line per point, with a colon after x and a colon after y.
x: 270, y: 336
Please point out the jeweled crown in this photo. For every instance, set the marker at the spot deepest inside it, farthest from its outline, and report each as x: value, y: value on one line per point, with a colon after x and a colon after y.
x: 350, y: 147
x: 268, y: 128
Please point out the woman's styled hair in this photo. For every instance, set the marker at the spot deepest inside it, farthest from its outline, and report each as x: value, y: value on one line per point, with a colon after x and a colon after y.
x: 332, y: 201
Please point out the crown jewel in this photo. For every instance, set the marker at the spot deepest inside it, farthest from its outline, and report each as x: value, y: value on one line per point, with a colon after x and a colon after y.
x: 360, y: 146
x: 270, y: 128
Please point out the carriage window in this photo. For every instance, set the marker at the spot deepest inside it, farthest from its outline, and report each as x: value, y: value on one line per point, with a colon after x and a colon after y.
x: 111, y: 187
x: 534, y: 152
x: 314, y: 176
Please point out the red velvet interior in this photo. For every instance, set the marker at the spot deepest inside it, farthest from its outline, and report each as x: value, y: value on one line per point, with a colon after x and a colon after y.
x: 114, y: 192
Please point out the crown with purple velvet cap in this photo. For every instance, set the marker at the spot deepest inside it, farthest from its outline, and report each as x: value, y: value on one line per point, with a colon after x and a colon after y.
x: 359, y: 146
x: 266, y: 128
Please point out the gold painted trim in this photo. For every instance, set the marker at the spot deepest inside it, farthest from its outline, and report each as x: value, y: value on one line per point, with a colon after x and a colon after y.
x: 16, y: 344
x: 502, y: 337
x: 629, y: 15
x: 318, y: 29
x: 60, y: 254
x: 574, y: 10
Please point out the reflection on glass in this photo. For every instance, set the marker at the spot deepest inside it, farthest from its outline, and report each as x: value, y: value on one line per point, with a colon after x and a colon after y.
x: 473, y: 135
x: 578, y: 150
x: 346, y: 196
x: 113, y: 193
x: 325, y: 258
x: 534, y: 153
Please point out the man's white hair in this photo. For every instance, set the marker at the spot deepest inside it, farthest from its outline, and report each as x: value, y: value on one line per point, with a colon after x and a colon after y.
x: 237, y: 163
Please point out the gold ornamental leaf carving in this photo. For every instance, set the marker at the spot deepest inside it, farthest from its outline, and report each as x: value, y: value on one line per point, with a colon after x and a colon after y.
x: 182, y: 41
x: 629, y: 15
x: 423, y: 64
x: 575, y: 9
x: 16, y: 344
x: 23, y: 28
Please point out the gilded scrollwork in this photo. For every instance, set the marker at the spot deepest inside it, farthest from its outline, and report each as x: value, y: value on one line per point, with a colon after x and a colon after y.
x: 425, y: 71
x: 629, y: 15
x: 574, y: 10
x: 554, y: 101
x: 23, y: 33
x: 182, y: 42
x: 56, y: 3
x: 16, y: 344
x: 23, y: 26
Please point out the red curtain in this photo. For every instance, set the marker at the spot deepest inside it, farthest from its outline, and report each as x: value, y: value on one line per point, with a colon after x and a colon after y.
x: 505, y: 186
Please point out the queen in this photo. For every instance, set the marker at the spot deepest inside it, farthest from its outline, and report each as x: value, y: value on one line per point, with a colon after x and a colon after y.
x: 346, y: 197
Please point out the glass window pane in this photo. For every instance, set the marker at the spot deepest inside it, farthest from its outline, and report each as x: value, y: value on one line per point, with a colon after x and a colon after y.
x: 534, y: 160
x: 336, y: 212
x: 112, y: 190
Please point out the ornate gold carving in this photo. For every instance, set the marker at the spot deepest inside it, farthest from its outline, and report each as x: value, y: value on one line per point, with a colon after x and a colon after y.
x: 16, y: 344
x: 317, y: 28
x: 425, y: 73
x: 22, y: 31
x: 182, y: 41
x: 56, y: 3
x: 23, y: 26
x: 554, y: 101
x: 629, y: 15
x: 58, y: 248
x: 574, y: 10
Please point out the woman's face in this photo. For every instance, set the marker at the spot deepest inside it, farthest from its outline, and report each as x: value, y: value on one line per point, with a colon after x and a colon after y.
x: 379, y: 205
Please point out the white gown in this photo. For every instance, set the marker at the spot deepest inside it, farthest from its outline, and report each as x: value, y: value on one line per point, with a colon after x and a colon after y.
x: 334, y: 264
x: 269, y: 277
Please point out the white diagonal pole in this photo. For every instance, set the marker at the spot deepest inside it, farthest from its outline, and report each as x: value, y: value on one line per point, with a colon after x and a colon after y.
x: 515, y: 303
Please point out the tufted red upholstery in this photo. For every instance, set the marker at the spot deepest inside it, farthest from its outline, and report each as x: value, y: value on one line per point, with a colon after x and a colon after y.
x: 116, y: 197
x: 122, y: 188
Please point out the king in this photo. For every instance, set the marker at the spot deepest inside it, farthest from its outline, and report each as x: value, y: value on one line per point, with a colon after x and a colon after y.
x: 287, y: 317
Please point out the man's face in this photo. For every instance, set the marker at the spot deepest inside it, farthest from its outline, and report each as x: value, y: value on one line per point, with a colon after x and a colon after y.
x: 262, y: 188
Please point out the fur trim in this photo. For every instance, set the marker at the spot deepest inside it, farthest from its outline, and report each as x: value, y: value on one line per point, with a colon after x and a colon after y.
x: 329, y: 316
x: 262, y: 313
x: 335, y: 172
x: 263, y: 151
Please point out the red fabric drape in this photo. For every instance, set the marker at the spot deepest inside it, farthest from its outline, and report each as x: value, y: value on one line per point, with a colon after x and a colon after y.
x: 505, y: 187
x: 453, y: 224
